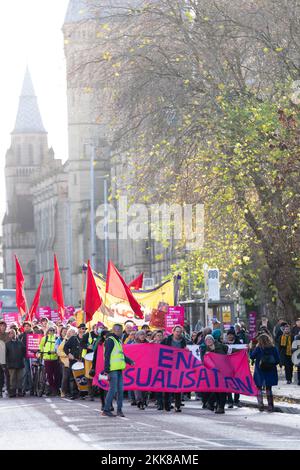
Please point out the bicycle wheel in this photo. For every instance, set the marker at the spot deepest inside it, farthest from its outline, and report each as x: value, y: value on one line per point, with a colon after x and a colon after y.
x: 41, y: 382
x: 35, y: 380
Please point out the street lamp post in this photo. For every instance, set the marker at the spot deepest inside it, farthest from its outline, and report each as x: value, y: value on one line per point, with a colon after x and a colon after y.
x: 205, y: 268
x: 106, y: 226
x: 92, y: 215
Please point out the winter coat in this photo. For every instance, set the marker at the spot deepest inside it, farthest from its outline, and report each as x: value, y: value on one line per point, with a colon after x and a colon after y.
x: 168, y: 341
x: 220, y: 348
x: 15, y: 354
x: 263, y: 378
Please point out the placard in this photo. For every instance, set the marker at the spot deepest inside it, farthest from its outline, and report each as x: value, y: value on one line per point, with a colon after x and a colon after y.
x: 12, y: 317
x: 174, y: 316
x: 32, y: 345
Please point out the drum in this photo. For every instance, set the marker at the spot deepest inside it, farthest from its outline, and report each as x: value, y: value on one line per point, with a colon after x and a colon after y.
x: 88, y: 362
x: 80, y: 379
x: 296, y: 354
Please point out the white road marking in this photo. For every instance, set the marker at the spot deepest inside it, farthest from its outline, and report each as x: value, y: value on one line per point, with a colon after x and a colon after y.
x: 67, y: 399
x: 21, y: 406
x: 73, y: 427
x: 145, y: 424
x: 58, y: 412
x: 85, y: 406
x: 85, y: 437
x: 211, y: 443
x: 53, y: 406
x: 48, y: 400
x: 71, y: 420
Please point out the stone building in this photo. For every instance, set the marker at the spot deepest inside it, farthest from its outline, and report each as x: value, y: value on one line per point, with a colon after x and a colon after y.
x: 35, y: 181
x: 50, y: 204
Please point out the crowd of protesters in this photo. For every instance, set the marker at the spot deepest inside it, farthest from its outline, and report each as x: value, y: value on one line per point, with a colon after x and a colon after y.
x: 63, y: 345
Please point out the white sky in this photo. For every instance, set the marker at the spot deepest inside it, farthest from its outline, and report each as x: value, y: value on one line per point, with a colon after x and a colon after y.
x: 30, y: 33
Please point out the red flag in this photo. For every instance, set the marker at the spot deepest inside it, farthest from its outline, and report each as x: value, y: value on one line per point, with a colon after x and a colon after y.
x: 57, y: 293
x: 92, y: 297
x: 32, y: 312
x: 20, y: 293
x: 137, y: 283
x: 116, y: 286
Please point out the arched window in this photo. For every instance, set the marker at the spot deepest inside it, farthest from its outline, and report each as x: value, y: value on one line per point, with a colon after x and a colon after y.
x: 32, y: 274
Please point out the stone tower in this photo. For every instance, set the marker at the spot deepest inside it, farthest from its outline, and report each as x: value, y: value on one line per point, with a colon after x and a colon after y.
x: 24, y: 159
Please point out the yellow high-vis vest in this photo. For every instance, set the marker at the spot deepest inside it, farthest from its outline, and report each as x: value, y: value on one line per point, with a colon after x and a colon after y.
x: 117, y: 358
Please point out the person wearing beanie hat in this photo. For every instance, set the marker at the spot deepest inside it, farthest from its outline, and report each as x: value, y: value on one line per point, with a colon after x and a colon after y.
x: 213, y: 345
x: 217, y: 334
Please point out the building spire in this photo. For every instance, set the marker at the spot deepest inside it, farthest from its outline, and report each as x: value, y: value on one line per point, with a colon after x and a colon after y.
x: 29, y: 120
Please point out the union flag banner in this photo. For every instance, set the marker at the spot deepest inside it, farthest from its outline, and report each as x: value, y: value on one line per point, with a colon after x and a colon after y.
x: 154, y: 303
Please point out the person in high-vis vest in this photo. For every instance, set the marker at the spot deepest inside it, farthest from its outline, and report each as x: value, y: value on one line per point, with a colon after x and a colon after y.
x: 114, y: 363
x: 47, y: 350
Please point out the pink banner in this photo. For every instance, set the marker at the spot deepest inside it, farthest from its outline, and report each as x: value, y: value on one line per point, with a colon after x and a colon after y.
x: 174, y: 316
x: 160, y: 368
x: 32, y: 345
x: 12, y: 317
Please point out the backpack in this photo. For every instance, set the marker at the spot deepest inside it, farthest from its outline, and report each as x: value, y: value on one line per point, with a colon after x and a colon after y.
x: 267, y: 362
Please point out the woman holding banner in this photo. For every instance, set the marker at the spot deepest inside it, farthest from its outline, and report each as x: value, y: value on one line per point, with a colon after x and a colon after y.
x: 140, y: 397
x: 212, y: 345
x: 176, y: 340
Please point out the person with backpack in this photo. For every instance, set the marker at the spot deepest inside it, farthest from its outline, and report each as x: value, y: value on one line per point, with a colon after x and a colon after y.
x: 266, y: 358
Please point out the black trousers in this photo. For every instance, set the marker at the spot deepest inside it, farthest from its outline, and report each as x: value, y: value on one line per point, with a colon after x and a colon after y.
x: 231, y: 400
x: 288, y: 368
x: 4, y: 377
x: 168, y: 400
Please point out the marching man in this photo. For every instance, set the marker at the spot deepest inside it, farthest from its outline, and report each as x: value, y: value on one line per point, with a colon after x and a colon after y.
x: 114, y: 363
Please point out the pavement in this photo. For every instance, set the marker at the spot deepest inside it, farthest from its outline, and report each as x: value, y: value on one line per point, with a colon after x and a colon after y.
x: 56, y: 423
x: 286, y: 396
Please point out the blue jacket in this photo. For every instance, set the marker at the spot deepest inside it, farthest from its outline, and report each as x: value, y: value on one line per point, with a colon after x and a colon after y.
x: 262, y: 378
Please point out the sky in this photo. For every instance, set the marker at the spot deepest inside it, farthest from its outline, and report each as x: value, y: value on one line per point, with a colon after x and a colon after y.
x: 30, y: 33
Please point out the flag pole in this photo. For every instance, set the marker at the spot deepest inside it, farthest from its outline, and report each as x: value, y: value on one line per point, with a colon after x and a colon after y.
x: 84, y: 270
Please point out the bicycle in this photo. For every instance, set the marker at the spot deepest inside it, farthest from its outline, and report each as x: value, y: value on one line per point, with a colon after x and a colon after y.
x: 39, y: 377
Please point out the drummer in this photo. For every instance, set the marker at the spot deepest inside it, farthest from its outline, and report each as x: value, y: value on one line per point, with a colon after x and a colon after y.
x: 73, y: 350
x: 88, y: 341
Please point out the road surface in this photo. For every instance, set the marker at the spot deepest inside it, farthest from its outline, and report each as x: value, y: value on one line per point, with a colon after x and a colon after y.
x: 55, y: 423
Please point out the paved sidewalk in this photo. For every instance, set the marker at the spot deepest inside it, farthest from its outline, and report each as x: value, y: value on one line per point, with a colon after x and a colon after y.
x: 286, y: 397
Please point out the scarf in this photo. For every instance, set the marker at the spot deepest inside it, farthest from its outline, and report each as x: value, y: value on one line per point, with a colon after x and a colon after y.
x: 286, y: 342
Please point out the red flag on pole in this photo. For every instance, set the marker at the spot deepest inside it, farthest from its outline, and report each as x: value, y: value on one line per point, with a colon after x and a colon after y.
x: 32, y: 312
x: 137, y: 283
x: 116, y: 286
x: 20, y: 293
x: 92, y: 297
x: 57, y: 293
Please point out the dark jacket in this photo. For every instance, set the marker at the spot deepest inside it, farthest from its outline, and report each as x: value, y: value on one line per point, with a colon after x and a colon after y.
x: 74, y: 346
x: 168, y: 341
x: 23, y: 337
x: 15, y: 354
x: 295, y: 331
x: 109, y: 346
x: 263, y: 378
x: 220, y: 348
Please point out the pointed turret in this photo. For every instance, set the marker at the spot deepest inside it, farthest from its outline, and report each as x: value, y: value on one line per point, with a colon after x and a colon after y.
x: 29, y: 120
